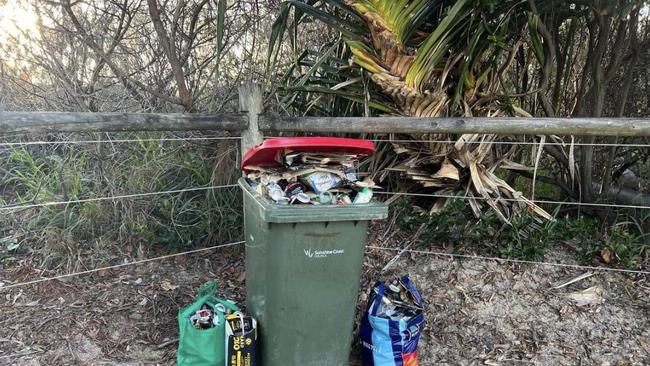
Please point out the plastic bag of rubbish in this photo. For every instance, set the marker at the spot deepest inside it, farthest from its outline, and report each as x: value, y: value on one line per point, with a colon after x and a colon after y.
x: 201, y: 325
x: 390, y: 329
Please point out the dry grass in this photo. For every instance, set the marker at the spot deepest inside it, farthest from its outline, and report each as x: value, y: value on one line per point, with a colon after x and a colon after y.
x: 71, y: 237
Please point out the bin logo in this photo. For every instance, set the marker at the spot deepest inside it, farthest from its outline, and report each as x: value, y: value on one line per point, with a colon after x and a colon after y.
x: 322, y: 253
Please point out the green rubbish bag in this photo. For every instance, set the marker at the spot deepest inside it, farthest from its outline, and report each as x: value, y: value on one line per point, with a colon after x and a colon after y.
x: 203, y: 347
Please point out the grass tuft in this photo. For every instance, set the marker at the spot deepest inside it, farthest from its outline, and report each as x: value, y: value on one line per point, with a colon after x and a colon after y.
x: 81, y: 235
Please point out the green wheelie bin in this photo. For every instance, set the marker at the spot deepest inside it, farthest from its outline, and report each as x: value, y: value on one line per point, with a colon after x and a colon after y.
x: 303, y: 265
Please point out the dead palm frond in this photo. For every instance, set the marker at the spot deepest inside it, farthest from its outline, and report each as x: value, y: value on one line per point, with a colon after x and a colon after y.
x: 416, y: 58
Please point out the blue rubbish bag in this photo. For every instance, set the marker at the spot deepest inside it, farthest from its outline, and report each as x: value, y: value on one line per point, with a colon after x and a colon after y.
x: 390, y: 329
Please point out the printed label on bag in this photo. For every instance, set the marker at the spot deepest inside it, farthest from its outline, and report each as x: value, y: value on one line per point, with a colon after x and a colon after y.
x: 322, y: 253
x: 372, y: 347
x: 241, y: 340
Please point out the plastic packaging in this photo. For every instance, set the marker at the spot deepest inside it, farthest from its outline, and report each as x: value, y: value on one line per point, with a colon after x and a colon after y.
x: 390, y: 329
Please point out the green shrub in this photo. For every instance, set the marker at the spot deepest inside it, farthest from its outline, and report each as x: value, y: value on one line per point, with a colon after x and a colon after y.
x: 112, y: 228
x: 526, y: 238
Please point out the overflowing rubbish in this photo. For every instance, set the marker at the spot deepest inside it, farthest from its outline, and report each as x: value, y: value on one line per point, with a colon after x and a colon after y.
x: 207, y: 317
x: 311, y: 178
x: 204, y: 318
x: 390, y: 329
x: 201, y: 325
x: 241, y: 340
x: 303, y: 261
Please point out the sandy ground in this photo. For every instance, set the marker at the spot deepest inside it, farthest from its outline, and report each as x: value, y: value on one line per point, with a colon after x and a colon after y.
x: 478, y: 312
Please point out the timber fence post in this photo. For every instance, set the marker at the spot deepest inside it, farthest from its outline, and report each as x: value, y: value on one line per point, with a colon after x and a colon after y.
x: 250, y: 101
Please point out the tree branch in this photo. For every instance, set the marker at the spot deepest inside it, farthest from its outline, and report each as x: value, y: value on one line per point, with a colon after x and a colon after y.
x: 128, y: 81
x: 170, y: 52
x: 549, y: 45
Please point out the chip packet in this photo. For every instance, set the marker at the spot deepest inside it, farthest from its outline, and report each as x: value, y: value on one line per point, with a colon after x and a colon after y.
x: 322, y: 181
x: 241, y: 340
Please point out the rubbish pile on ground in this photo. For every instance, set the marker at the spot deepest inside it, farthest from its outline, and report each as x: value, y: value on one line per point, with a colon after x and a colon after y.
x: 292, y: 175
x: 204, y: 318
x: 214, y: 332
x: 390, y: 329
x: 397, y: 303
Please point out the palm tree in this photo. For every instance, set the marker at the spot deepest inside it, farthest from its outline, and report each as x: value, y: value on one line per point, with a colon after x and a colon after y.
x: 419, y: 58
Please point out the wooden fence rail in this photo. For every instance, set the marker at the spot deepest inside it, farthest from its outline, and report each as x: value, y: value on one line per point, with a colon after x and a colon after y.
x: 41, y: 122
x: 461, y: 125
x: 52, y: 122
x: 250, y: 121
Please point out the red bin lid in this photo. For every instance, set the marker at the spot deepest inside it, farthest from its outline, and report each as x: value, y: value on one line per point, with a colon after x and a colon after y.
x: 264, y: 154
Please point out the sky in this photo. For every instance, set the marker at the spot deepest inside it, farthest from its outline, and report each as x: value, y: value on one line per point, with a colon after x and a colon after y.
x: 16, y: 20
x: 16, y: 17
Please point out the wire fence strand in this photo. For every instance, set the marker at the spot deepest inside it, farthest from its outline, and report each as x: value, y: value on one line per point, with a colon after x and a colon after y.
x: 45, y: 279
x: 565, y: 144
x: 519, y: 261
x: 95, y: 199
x: 117, y: 141
x: 562, y: 144
x: 568, y: 203
x: 370, y: 247
x: 25, y: 205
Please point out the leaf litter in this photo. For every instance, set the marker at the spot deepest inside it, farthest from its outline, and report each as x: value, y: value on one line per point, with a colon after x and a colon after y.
x: 478, y: 312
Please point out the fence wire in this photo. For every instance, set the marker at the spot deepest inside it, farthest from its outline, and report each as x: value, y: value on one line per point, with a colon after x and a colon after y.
x: 519, y: 261
x: 22, y: 206
x: 563, y: 144
x: 532, y: 143
x: 369, y: 247
x: 569, y: 203
x: 90, y: 271
x: 116, y: 141
x: 25, y: 205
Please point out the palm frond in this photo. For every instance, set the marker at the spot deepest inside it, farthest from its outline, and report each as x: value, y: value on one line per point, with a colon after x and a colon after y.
x: 426, y: 59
